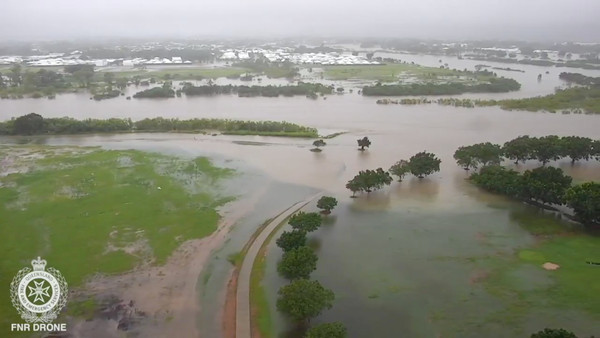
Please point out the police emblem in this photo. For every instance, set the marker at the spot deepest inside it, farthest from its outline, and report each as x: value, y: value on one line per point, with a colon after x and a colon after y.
x: 39, y: 294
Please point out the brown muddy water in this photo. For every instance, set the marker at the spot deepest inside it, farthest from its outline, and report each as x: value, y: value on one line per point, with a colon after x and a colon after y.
x: 409, y: 260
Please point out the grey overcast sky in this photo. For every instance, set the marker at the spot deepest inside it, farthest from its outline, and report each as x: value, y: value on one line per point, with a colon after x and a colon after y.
x: 545, y: 20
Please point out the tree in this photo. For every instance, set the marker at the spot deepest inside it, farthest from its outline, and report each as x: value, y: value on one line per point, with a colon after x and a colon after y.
x: 499, y: 180
x: 363, y: 142
x: 577, y: 148
x: 318, y: 144
x: 297, y: 263
x: 400, y: 169
x: 327, y: 203
x: 290, y: 240
x: 465, y: 158
x: 547, y: 148
x: 545, y: 184
x: 553, y: 333
x: 2, y: 84
x: 369, y: 180
x: 304, y: 221
x: 121, y: 83
x: 596, y: 149
x: 423, y: 164
x: 327, y: 330
x: 584, y: 199
x: 15, y: 75
x: 29, y: 124
x: 304, y: 299
x: 84, y: 77
x: 353, y: 186
x: 109, y: 77
x: 519, y: 149
x: 487, y: 153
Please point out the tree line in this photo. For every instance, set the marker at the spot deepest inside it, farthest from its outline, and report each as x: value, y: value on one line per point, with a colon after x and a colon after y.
x: 35, y: 124
x: 306, y: 89
x: 523, y: 148
x: 492, y: 85
x: 543, y: 186
x: 420, y: 165
x: 303, y: 299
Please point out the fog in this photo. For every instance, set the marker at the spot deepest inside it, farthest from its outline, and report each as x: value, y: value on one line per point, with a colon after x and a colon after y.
x: 542, y: 20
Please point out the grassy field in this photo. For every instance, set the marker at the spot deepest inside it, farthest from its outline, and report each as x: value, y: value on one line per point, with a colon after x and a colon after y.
x: 88, y: 211
x: 387, y: 72
x: 190, y: 73
x: 525, y: 287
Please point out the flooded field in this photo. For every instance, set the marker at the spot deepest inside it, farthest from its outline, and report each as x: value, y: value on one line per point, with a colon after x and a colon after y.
x: 422, y: 258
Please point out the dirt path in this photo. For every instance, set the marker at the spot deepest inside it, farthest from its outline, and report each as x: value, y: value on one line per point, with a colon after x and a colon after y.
x: 243, y: 328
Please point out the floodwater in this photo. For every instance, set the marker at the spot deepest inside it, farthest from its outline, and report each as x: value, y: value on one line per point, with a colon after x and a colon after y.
x: 404, y: 261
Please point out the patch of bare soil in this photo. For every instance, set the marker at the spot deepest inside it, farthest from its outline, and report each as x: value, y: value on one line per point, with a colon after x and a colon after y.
x: 550, y: 266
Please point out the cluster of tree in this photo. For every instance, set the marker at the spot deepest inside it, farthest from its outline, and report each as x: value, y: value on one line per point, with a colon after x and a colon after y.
x: 404, y: 101
x: 543, y: 185
x: 305, y: 89
x: 493, y: 85
x: 16, y: 83
x: 420, y: 165
x: 579, y: 79
x: 166, y: 91
x: 523, y: 148
x: 584, y: 64
x: 303, y: 298
x: 576, y: 100
x: 584, y: 98
x: 33, y: 124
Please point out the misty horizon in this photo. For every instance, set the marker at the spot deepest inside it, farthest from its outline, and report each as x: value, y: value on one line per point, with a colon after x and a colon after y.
x: 534, y: 20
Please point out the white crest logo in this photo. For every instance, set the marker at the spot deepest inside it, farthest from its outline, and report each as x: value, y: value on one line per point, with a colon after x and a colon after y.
x: 39, y: 294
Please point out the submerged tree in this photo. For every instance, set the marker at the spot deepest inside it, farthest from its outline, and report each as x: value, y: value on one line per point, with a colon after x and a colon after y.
x: 363, y: 142
x: 465, y: 158
x: 304, y: 299
x: 545, y: 184
x: 423, y: 164
x: 584, y: 199
x: 577, y: 148
x: 305, y: 221
x: 519, y: 149
x: 547, y: 148
x: 327, y: 330
x: 318, y: 144
x: 327, y: 203
x: 297, y: 263
x: 290, y: 240
x: 400, y: 169
x: 369, y: 180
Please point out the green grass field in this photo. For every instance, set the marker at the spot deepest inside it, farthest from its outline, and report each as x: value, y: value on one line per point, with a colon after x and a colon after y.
x: 387, y: 72
x: 525, y: 287
x: 88, y: 211
x: 177, y: 73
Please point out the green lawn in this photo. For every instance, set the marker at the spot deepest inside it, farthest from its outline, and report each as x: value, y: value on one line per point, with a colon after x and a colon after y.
x: 387, y: 72
x: 90, y: 211
x: 178, y: 73
x: 525, y: 287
